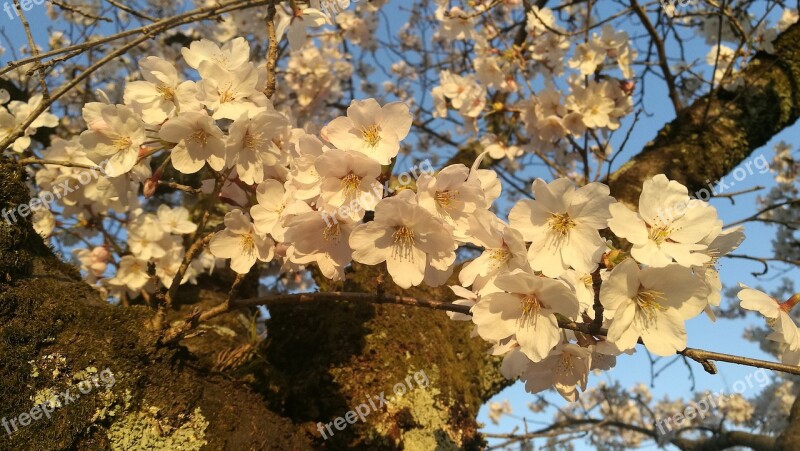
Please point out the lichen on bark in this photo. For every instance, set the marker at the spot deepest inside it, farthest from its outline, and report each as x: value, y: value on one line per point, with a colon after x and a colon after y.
x: 46, y: 309
x: 324, y: 360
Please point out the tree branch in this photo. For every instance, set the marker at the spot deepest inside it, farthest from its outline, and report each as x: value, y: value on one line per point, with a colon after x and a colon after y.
x: 696, y: 152
x: 701, y: 356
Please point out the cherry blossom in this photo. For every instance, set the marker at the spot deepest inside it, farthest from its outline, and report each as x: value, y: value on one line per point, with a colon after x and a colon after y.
x: 115, y: 136
x: 451, y: 195
x: 325, y: 242
x: 146, y: 238
x: 411, y: 241
x: 465, y: 297
x: 455, y: 23
x: 275, y: 204
x: 562, y: 225
x: 505, y: 251
x: 132, y: 273
x: 784, y: 329
x: 161, y: 94
x: 233, y: 55
x: 17, y: 113
x: 252, y: 143
x: 668, y: 227
x: 371, y: 129
x: 229, y: 93
x: 566, y: 368
x: 199, y: 140
x: 720, y: 243
x: 294, y: 26
x: 526, y: 310
x: 349, y: 179
x: 175, y: 220
x: 241, y: 243
x: 651, y: 303
x: 94, y: 262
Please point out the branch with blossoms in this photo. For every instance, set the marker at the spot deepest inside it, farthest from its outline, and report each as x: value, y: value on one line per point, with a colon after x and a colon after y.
x: 308, y: 199
x: 547, y: 289
x: 40, y: 107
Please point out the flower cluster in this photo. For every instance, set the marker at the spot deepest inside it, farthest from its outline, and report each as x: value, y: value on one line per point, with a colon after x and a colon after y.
x: 268, y: 178
x: 14, y: 115
x: 557, y: 262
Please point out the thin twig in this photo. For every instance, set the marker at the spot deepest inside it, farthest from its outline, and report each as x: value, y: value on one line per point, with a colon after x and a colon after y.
x: 68, y: 164
x: 132, y: 11
x: 662, y: 55
x: 34, y: 51
x: 177, y: 332
x: 272, y: 50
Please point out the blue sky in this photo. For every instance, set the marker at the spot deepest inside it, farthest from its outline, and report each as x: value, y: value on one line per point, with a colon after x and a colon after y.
x: 724, y: 336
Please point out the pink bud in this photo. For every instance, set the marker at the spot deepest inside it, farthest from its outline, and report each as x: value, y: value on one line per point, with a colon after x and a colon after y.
x: 627, y: 86
x: 150, y: 186
x: 100, y: 254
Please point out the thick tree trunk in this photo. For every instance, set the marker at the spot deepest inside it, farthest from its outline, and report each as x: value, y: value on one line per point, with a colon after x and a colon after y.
x: 327, y: 359
x: 719, y: 131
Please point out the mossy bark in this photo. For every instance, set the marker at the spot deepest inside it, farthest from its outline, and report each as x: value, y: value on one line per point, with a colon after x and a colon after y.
x: 325, y: 360
x: 47, y: 314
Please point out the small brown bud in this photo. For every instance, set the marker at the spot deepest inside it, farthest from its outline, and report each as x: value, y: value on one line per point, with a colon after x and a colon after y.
x: 150, y: 186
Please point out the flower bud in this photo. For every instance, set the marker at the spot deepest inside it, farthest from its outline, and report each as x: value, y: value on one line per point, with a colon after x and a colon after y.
x: 627, y: 86
x: 150, y: 186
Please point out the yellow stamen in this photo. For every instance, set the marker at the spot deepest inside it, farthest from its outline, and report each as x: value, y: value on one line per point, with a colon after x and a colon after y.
x: 253, y: 141
x: 332, y: 233
x: 715, y: 256
x: 404, y: 243
x: 659, y: 234
x: 350, y: 184
x: 227, y: 95
x: 371, y: 135
x: 498, y: 257
x: 565, y: 366
x: 446, y: 199
x: 649, y: 302
x: 122, y: 143
x: 531, y: 306
x: 199, y: 136
x: 166, y: 92
x: 248, y: 244
x: 561, y: 224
